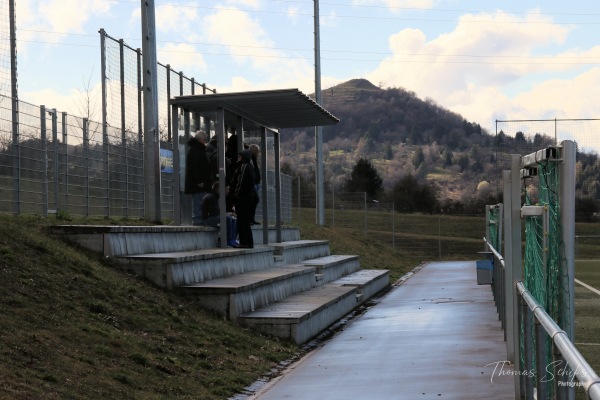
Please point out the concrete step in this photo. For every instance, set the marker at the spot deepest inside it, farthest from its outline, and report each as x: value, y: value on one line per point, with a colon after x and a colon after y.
x: 302, y: 316
x: 300, y: 250
x: 367, y: 282
x: 288, y: 234
x: 110, y: 240
x: 333, y: 267
x: 131, y: 240
x: 171, y: 270
x: 246, y: 292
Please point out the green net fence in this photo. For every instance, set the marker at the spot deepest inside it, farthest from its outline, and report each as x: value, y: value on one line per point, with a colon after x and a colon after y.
x: 494, y: 222
x: 543, y: 275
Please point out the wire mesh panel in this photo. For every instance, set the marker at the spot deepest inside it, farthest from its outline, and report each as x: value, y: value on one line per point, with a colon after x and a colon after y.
x: 494, y: 226
x: 6, y: 155
x: 97, y: 160
x: 33, y: 160
x: 76, y: 196
x: 112, y: 81
x: 526, y: 136
x: 5, y: 52
x: 547, y: 266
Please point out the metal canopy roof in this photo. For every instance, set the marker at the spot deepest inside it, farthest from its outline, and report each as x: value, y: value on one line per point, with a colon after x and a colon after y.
x: 284, y: 108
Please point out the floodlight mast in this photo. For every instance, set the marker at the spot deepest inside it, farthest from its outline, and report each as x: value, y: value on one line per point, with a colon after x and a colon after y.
x: 152, y: 205
x: 318, y: 129
x: 15, y: 109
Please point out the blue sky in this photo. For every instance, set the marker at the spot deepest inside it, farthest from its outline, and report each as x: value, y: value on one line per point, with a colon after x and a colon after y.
x: 485, y: 60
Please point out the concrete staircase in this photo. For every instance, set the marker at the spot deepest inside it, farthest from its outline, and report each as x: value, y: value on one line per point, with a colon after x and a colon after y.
x: 293, y: 290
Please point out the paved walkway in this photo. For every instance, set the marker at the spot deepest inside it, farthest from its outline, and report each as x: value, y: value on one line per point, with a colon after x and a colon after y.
x: 437, y: 336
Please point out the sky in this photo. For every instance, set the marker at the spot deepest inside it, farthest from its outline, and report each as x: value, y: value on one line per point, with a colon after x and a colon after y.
x: 486, y: 60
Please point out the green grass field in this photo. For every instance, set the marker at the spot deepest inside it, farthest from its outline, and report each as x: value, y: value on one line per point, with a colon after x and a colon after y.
x: 587, y: 314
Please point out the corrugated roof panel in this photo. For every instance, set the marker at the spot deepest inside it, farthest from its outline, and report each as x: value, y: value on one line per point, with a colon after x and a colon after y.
x: 284, y: 108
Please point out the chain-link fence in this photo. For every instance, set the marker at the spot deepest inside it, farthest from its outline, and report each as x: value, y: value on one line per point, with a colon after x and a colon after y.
x: 422, y: 236
x: 65, y: 164
x: 5, y: 48
x: 52, y: 162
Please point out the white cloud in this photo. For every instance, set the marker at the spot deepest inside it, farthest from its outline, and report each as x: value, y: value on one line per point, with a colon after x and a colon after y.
x: 74, y: 102
x: 293, y: 14
x: 176, y: 19
x: 483, y: 49
x: 182, y: 57
x: 248, y: 42
x: 397, y: 5
x: 70, y: 15
x: 469, y: 69
x: 328, y: 20
x: 253, y: 49
x: 244, y: 3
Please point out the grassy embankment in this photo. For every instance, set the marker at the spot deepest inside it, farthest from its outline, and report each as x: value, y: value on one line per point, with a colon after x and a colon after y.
x: 74, y: 327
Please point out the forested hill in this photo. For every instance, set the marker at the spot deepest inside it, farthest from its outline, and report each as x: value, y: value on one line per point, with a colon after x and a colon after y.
x: 403, y: 135
x: 392, y: 115
x: 399, y: 133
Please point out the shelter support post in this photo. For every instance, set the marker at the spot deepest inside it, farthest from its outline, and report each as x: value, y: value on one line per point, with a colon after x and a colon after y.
x: 220, y: 131
x: 264, y: 185
x: 276, y: 157
x: 177, y: 198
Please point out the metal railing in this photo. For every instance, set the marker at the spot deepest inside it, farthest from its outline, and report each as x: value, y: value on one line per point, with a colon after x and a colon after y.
x: 529, y: 329
x: 498, y: 284
x: 535, y: 318
x: 564, y: 354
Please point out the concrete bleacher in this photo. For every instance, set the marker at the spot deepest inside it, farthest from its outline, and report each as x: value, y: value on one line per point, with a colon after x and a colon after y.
x: 293, y: 290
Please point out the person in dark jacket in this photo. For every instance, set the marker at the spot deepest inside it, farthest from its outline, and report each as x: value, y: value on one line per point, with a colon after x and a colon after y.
x: 211, y: 214
x: 254, y: 150
x: 245, y: 196
x: 212, y: 153
x: 197, y: 174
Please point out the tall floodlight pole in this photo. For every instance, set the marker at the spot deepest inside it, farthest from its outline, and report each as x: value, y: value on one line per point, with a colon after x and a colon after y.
x: 152, y: 205
x: 318, y: 130
x: 15, y: 109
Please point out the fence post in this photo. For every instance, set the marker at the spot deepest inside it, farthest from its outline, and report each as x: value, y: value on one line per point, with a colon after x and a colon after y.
x: 393, y: 226
x: 140, y: 88
x: 104, y: 115
x: 86, y: 156
x: 298, y: 195
x: 516, y: 257
x: 44, y: 160
x: 333, y: 204
x: 528, y: 347
x: 440, y: 236
x: 66, y: 146
x: 56, y: 160
x: 365, y: 200
x: 567, y: 221
x: 16, y: 152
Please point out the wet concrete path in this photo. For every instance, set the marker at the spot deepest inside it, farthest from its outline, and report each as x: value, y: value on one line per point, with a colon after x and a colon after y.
x: 437, y: 336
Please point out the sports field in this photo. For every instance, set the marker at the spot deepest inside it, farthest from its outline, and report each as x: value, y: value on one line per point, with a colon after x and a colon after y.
x: 587, y: 313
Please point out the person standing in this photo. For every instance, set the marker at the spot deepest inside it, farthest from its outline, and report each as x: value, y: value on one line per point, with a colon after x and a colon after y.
x: 254, y: 150
x: 197, y: 174
x: 245, y: 196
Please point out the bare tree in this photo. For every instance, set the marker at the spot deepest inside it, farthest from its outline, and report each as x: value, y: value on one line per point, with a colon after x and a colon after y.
x: 87, y: 106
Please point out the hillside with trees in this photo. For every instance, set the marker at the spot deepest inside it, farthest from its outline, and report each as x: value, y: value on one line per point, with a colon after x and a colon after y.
x: 412, y: 144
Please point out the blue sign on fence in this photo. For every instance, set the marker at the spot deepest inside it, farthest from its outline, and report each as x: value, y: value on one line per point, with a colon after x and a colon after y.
x: 166, y: 161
